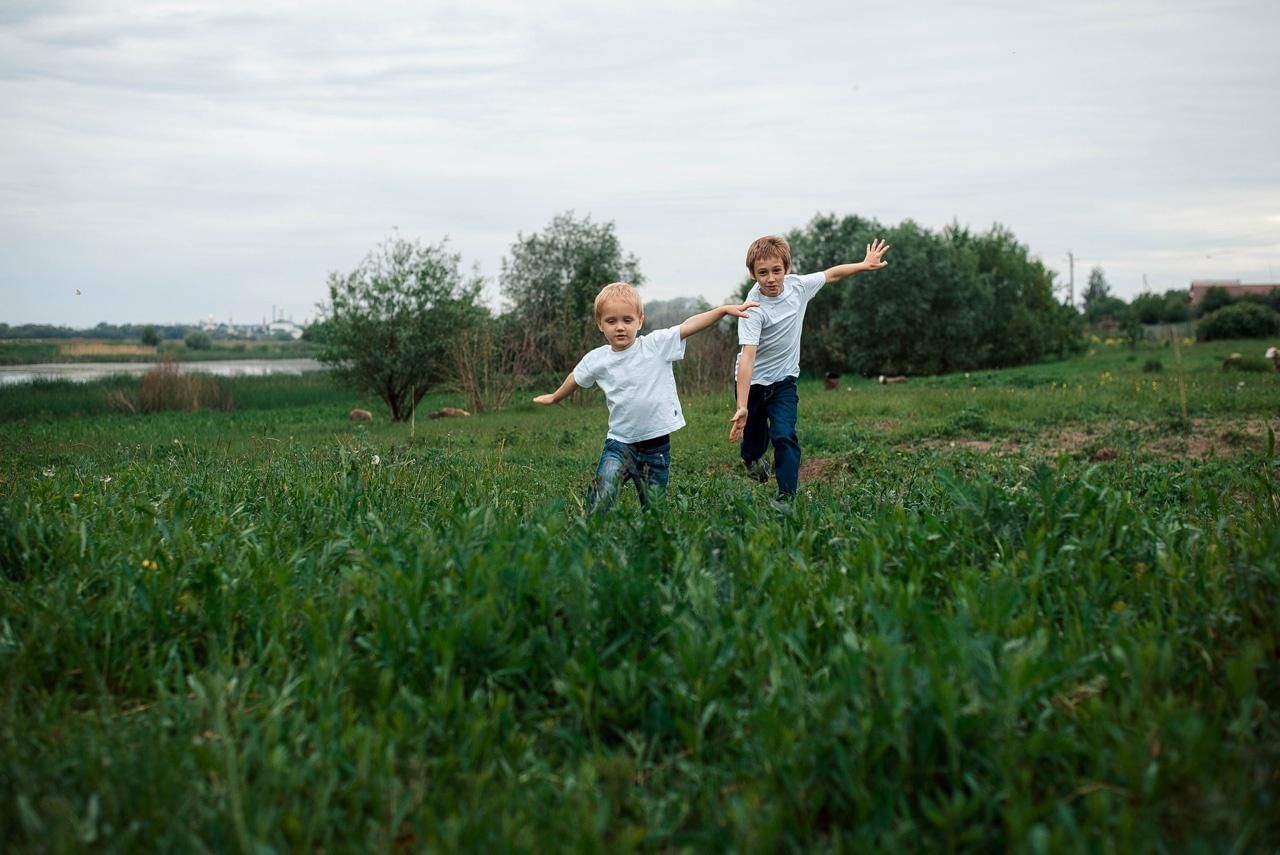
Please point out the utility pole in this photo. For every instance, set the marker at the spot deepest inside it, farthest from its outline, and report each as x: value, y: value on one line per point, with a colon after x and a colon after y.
x: 1071, y: 279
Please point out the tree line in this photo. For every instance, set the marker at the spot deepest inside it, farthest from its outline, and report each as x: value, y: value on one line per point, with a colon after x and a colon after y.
x: 1217, y: 316
x: 150, y: 333
x: 407, y: 319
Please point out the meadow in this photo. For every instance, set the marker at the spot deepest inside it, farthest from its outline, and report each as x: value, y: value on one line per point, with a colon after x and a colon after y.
x: 1032, y: 609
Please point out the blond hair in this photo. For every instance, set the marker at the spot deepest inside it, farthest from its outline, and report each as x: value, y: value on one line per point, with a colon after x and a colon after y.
x: 769, y: 246
x: 618, y: 291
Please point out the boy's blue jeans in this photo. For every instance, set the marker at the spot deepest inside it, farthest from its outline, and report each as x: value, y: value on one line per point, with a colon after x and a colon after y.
x: 646, y: 464
x: 771, y: 417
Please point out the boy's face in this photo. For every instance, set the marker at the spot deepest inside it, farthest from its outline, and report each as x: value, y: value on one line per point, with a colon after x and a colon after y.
x: 620, y: 322
x: 769, y: 273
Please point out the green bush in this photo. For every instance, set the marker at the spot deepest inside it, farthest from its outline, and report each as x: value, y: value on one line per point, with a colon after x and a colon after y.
x: 1239, y: 320
x: 198, y: 340
x: 1153, y: 366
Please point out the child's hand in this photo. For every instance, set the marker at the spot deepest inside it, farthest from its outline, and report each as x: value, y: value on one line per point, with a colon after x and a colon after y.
x: 875, y: 252
x: 545, y: 399
x: 740, y: 311
x: 739, y: 425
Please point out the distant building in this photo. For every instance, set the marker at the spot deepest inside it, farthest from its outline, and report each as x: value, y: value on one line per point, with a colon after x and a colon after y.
x: 1234, y: 288
x: 285, y: 327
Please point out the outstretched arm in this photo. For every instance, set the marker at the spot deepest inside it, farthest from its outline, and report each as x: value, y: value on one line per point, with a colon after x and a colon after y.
x: 873, y: 261
x: 700, y: 322
x: 567, y: 388
x: 745, y: 366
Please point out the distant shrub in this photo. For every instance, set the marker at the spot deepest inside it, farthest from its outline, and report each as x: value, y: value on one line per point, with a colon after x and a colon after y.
x: 1153, y: 366
x: 165, y: 387
x: 1239, y: 320
x: 149, y: 336
x: 198, y: 340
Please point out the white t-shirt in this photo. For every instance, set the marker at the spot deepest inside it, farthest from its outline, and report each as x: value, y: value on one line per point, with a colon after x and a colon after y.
x: 775, y: 327
x: 638, y: 385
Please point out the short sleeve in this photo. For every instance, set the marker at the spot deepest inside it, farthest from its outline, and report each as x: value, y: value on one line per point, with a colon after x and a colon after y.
x: 667, y: 343
x: 584, y: 372
x: 811, y: 283
x: 749, y: 328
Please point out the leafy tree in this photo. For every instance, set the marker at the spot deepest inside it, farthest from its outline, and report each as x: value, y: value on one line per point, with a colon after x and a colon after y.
x: 198, y: 340
x: 826, y: 242
x: 1149, y: 308
x: 1239, y: 320
x: 1109, y: 311
x: 1214, y: 299
x: 1177, y: 306
x: 946, y: 302
x: 551, y: 281
x: 1021, y: 317
x: 1270, y: 299
x: 391, y: 324
x: 313, y: 332
x: 1097, y: 300
x: 149, y: 336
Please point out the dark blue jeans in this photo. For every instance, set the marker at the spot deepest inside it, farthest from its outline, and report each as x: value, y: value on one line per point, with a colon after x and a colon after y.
x: 771, y: 417
x: 646, y: 464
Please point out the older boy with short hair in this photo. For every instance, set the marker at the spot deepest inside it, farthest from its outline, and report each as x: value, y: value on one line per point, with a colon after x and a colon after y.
x: 634, y: 372
x: 769, y: 362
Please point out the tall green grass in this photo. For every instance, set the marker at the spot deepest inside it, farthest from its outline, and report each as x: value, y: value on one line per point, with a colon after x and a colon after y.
x: 271, y: 629
x: 45, y: 400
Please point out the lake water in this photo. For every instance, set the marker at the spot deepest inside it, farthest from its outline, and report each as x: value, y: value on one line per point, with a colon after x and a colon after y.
x: 85, y: 371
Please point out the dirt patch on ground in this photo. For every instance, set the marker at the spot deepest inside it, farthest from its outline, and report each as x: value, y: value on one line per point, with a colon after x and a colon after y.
x: 820, y: 468
x: 1119, y: 441
x: 811, y: 468
x: 999, y: 447
x: 1207, y: 438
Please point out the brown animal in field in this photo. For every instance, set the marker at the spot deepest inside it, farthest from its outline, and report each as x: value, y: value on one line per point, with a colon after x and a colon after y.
x: 831, y: 382
x: 897, y: 379
x: 1273, y: 353
x: 360, y: 416
x: 448, y: 413
x: 1232, y: 361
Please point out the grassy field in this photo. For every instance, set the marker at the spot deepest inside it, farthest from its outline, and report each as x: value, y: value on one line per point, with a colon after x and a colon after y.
x: 32, y: 351
x: 1033, y: 609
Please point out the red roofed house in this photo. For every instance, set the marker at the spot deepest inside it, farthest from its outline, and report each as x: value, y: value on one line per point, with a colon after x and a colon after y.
x: 1233, y: 287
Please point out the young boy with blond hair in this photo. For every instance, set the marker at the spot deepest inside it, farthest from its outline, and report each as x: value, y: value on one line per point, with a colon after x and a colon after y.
x: 634, y: 372
x: 769, y: 362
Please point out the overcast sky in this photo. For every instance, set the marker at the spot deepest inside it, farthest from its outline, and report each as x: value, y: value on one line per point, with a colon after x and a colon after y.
x: 180, y: 159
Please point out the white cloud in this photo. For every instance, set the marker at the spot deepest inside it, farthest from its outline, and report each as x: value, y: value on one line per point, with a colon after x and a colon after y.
x: 244, y: 149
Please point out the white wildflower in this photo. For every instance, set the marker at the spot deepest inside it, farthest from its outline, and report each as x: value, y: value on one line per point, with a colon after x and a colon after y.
x: 106, y: 479
x: 48, y: 472
x: 375, y: 460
